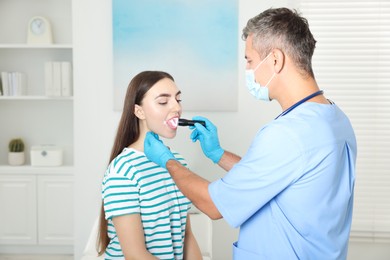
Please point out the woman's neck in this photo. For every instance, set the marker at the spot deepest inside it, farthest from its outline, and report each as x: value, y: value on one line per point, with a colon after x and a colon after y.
x: 139, y: 144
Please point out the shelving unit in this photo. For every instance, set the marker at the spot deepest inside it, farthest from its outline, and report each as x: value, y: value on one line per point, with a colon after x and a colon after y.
x: 47, y: 192
x: 40, y: 98
x: 37, y: 46
x: 36, y: 118
x: 26, y: 169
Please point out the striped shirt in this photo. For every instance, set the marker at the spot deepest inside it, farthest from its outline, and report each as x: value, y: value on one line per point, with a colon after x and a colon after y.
x: 133, y: 184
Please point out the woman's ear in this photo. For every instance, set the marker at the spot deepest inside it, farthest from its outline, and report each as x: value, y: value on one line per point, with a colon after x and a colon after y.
x: 139, y: 112
x: 279, y: 60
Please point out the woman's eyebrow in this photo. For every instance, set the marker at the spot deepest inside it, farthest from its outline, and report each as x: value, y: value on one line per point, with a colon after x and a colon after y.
x: 167, y: 95
x: 163, y: 95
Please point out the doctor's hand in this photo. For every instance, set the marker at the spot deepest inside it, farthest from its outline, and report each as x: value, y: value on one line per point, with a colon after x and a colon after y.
x: 156, y: 151
x: 208, y: 138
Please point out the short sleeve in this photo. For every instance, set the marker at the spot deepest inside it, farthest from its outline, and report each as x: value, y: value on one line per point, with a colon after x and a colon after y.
x: 272, y: 163
x: 180, y: 158
x: 120, y: 196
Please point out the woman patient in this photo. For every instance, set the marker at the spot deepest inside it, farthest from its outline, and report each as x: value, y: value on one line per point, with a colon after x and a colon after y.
x: 144, y: 215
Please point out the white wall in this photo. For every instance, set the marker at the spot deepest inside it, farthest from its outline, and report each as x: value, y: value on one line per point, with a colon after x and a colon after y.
x: 95, y: 121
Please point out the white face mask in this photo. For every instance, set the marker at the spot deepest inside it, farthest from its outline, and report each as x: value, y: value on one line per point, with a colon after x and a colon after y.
x: 258, y: 91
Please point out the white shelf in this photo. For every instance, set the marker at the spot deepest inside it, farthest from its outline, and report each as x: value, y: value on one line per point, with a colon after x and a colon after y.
x: 28, y: 169
x: 36, y: 46
x: 44, y: 194
x: 38, y: 98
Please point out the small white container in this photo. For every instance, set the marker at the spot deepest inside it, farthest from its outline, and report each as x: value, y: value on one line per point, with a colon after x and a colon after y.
x: 46, y: 155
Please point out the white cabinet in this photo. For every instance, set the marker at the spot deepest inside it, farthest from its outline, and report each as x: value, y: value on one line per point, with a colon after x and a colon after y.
x: 18, y: 204
x: 36, y: 210
x: 36, y: 203
x: 55, y: 210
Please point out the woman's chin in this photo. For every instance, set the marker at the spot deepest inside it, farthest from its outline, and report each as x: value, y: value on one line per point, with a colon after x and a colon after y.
x: 168, y: 135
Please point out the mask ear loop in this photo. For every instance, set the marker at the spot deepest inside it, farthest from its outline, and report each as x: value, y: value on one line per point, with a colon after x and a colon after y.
x: 258, y: 65
x: 273, y: 76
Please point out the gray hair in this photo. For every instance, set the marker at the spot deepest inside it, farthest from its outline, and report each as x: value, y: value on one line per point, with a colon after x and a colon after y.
x: 284, y: 29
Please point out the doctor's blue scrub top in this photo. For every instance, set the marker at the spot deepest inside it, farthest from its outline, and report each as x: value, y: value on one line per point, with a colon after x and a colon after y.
x: 292, y: 193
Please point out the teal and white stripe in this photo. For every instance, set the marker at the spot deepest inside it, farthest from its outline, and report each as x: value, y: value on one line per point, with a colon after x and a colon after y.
x: 134, y: 185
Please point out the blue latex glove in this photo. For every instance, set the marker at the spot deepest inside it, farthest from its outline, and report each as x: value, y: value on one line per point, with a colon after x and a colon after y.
x: 208, y: 138
x: 156, y: 151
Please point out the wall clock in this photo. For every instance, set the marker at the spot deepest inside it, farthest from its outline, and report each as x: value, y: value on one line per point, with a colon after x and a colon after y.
x: 39, y: 31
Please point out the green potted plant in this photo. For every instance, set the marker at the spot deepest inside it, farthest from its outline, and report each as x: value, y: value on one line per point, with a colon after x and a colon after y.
x: 16, y: 152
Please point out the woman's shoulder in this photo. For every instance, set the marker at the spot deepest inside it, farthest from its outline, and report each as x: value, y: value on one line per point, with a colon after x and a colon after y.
x: 125, y: 163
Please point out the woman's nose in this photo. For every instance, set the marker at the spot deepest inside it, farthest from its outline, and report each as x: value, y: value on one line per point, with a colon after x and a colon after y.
x: 176, y: 106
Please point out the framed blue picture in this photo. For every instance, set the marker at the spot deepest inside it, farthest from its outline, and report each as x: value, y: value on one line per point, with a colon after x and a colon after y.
x: 195, y: 41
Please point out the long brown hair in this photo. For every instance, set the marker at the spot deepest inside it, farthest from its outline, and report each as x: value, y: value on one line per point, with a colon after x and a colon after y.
x: 128, y: 132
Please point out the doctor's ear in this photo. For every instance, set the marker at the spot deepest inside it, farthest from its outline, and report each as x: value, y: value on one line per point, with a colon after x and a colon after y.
x: 279, y: 60
x: 139, y: 112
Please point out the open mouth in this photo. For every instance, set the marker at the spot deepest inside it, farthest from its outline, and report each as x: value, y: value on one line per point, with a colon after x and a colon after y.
x: 173, y: 122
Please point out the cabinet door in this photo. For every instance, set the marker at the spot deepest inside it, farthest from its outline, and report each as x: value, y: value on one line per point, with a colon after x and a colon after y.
x: 18, y: 207
x: 55, y: 210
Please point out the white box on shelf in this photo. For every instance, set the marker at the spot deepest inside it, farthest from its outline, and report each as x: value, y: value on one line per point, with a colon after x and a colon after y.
x: 46, y: 155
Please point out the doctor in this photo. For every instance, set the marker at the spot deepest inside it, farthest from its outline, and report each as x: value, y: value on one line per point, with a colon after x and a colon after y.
x: 292, y: 192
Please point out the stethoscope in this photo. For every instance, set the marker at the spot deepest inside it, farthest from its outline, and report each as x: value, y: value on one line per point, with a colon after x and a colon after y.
x: 288, y: 110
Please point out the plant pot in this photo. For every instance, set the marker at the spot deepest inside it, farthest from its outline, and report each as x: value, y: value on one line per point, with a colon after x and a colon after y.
x: 16, y: 158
